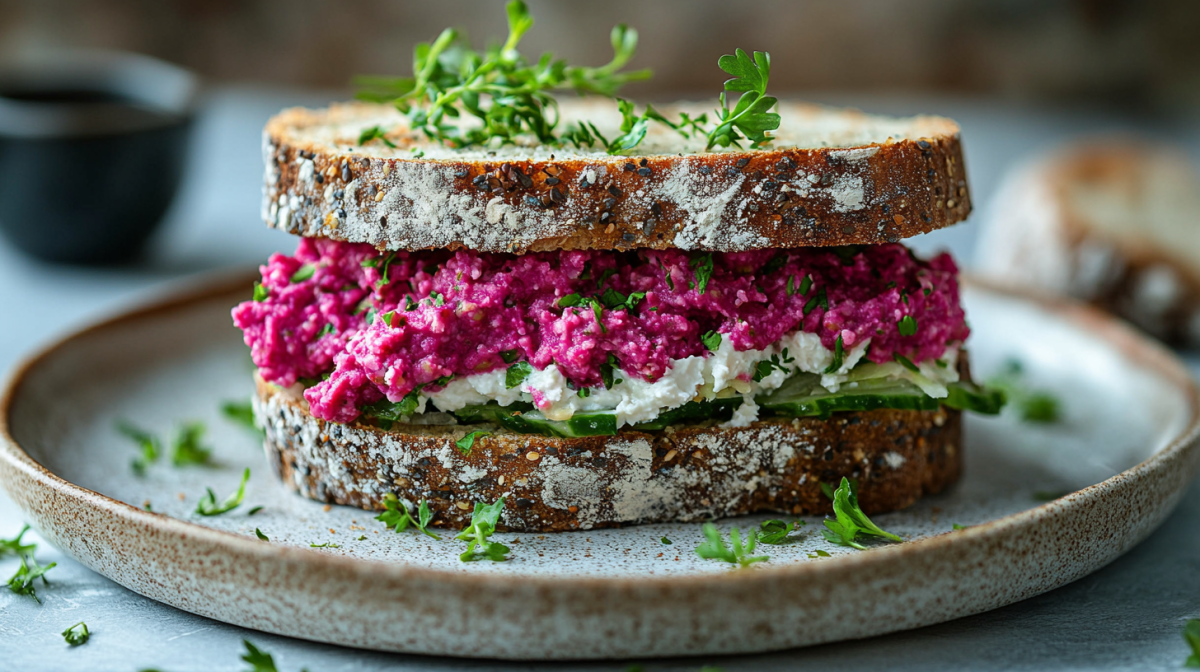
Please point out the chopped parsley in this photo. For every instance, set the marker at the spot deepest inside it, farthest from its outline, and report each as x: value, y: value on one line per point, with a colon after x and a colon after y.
x: 667, y: 276
x: 477, y: 534
x: 148, y: 444
x: 665, y: 541
x: 1034, y: 406
x: 606, y: 371
x: 819, y: 300
x: 805, y: 285
x: 396, y: 517
x: 258, y: 660
x: 374, y: 133
x: 328, y: 544
x: 259, y: 533
x: 186, y: 448
x: 240, y: 413
x: 516, y: 374
x: 819, y: 554
x: 775, y: 532
x: 438, y: 299
x: 22, y: 582
x: 77, y: 634
x: 260, y: 293
x: 1191, y: 635
x: 850, y: 521
x: 326, y: 330
x: 703, y: 266
x: 303, y: 273
x: 737, y: 553
x: 510, y: 356
x: 775, y: 264
x: 907, y: 326
x: 711, y: 340
x: 905, y: 362
x: 764, y: 368
x: 467, y: 442
x: 14, y: 546
x: 959, y: 527
x: 839, y: 355
x: 570, y: 301
x: 208, y: 505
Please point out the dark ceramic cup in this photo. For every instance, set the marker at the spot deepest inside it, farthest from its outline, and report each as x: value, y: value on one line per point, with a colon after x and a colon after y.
x: 92, y: 147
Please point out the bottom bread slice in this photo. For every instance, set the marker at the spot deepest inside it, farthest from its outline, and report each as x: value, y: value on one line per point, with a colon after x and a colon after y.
x: 686, y: 473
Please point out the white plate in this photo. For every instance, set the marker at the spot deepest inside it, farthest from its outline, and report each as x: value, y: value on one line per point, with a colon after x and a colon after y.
x: 1132, y: 417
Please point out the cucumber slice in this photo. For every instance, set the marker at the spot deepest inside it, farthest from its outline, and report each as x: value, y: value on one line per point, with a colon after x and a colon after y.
x: 718, y: 409
x: 806, y: 398
x: 523, y: 418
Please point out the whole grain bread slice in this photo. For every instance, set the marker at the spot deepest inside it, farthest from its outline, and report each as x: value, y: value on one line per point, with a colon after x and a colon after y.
x: 684, y: 473
x: 1112, y: 221
x: 831, y: 177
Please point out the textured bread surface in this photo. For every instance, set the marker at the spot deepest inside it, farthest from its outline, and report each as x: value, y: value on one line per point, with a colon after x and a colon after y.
x: 686, y: 473
x: 1112, y: 222
x: 832, y: 177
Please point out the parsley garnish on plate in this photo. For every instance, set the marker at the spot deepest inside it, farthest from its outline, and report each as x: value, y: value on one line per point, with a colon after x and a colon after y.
x: 148, y: 443
x: 819, y: 554
x: 737, y: 553
x: 240, y: 413
x: 257, y: 659
x: 186, y: 448
x: 328, y: 544
x: 1191, y: 635
x: 259, y: 533
x: 396, y: 516
x: 21, y: 583
x: 483, y: 523
x: 77, y: 634
x: 850, y: 521
x: 1034, y: 406
x: 14, y: 546
x: 208, y: 503
x: 775, y: 532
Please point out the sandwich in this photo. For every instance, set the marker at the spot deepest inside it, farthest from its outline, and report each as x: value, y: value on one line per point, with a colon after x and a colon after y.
x: 1115, y: 222
x: 602, y: 314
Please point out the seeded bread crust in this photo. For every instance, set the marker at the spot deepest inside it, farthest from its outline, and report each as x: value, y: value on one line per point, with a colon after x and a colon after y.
x: 1037, y: 236
x: 686, y: 473
x: 832, y: 177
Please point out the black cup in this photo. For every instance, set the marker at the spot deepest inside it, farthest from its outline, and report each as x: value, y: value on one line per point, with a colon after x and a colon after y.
x: 92, y: 147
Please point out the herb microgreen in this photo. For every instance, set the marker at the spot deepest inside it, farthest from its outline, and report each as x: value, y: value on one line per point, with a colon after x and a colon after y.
x: 839, y: 355
x: 374, y: 133
x: 1034, y: 406
x: 467, y: 442
x: 186, y: 448
x: 327, y: 544
x: 396, y: 516
x: 14, y: 546
x: 907, y: 326
x: 666, y: 541
x: 607, y: 371
x: 819, y: 554
x: 703, y: 266
x: 477, y: 534
x: 148, y: 443
x: 1191, y: 635
x: 303, y: 273
x: 711, y: 340
x: 258, y: 660
x: 510, y: 356
x: 21, y: 583
x: 260, y: 293
x: 208, y: 505
x: 850, y: 521
x: 259, y: 533
x: 77, y: 634
x: 240, y: 413
x: 737, y: 553
x: 516, y: 374
x: 905, y: 362
x: 775, y: 532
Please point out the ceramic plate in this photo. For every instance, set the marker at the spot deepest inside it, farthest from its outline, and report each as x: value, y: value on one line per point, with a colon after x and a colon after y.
x: 1124, y: 451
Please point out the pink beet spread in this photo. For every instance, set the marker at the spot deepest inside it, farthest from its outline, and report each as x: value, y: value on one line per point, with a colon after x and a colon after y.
x: 457, y: 312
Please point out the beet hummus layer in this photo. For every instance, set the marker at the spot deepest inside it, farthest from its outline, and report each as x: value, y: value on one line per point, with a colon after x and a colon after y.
x: 383, y: 324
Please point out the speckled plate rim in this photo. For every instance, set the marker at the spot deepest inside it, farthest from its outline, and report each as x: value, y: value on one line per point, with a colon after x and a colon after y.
x: 1051, y: 542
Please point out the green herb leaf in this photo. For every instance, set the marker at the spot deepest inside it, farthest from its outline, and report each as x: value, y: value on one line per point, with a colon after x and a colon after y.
x: 467, y: 442
x: 328, y: 544
x: 516, y: 374
x: 704, y: 268
x: 510, y: 356
x: 77, y: 634
x: 607, y: 370
x: 303, y: 273
x: 259, y: 661
x: 960, y: 527
x: 260, y: 293
x: 819, y: 554
x: 751, y: 114
x: 612, y: 299
x: 907, y: 326
x: 711, y: 340
x: 388, y: 317
x: 241, y: 413
x: 570, y: 301
x: 374, y: 133
x: 396, y: 517
x: 805, y: 285
x: 1033, y: 406
x: 259, y: 533
x: 208, y: 503
x: 850, y: 521
x: 839, y: 355
x: 665, y: 541
x: 775, y: 263
x: 254, y: 510
x: 819, y: 300
x: 484, y: 519
x: 1191, y: 635
x: 739, y: 554
x: 905, y: 362
x: 21, y: 583
x: 148, y: 443
x: 775, y: 532
x: 14, y: 546
x: 667, y: 276
x: 186, y: 449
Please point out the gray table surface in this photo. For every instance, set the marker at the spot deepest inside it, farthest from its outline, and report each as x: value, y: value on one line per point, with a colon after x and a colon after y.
x: 1127, y: 616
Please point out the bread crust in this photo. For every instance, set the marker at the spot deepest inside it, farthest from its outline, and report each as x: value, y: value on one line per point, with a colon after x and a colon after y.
x: 688, y: 473
x: 1034, y: 237
x: 320, y: 183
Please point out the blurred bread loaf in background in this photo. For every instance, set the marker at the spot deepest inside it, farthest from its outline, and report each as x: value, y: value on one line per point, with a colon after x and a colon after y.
x: 1115, y: 222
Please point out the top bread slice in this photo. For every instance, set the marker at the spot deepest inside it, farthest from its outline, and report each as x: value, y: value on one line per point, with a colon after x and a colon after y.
x: 831, y: 177
x: 1112, y: 221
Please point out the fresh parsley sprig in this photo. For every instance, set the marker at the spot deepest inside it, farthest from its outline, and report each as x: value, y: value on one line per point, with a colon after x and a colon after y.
x: 1191, y: 635
x: 22, y: 582
x: 208, y: 506
x: 775, y: 532
x: 257, y: 659
x: 396, y: 516
x: 77, y: 634
x: 737, y: 553
x: 850, y: 520
x: 241, y: 413
x: 483, y: 524
x: 14, y: 546
x: 148, y: 444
